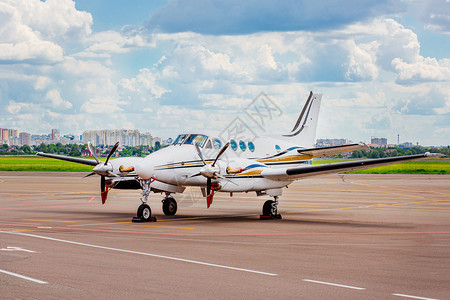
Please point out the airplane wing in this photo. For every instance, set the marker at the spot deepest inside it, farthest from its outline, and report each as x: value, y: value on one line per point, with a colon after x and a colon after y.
x: 309, y: 171
x: 84, y: 161
x: 332, y: 150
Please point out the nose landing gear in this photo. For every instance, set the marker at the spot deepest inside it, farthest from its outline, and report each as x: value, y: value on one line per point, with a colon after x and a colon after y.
x: 144, y: 213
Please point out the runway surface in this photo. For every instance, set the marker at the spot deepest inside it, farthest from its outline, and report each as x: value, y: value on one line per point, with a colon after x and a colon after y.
x: 341, y: 237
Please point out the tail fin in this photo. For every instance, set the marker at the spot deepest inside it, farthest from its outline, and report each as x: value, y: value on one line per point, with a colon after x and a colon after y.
x: 304, y: 131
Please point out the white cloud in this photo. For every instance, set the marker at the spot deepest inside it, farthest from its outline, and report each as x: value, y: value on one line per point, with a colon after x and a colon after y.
x: 145, y: 84
x: 423, y: 69
x: 54, y: 20
x: 105, y: 106
x: 437, y: 16
x: 57, y: 101
x: 31, y: 30
x: 16, y: 107
x: 19, y: 42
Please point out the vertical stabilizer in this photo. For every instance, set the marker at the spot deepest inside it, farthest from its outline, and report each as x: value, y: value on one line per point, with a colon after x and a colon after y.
x: 304, y: 131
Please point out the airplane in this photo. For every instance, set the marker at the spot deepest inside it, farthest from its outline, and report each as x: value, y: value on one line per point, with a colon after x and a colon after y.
x: 261, y: 164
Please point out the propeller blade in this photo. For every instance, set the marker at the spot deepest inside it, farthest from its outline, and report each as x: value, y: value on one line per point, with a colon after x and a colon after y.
x: 114, y: 148
x: 104, y: 196
x: 199, y: 152
x: 209, y: 198
x: 92, y: 150
x: 104, y: 189
x: 102, y: 184
x: 208, y: 186
x: 90, y: 174
x: 220, y: 153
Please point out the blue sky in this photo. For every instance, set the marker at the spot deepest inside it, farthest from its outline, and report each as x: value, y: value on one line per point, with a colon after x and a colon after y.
x: 383, y: 67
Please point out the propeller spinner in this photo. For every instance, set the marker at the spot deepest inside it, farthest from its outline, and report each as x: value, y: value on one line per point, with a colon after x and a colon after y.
x: 210, y: 171
x: 103, y: 169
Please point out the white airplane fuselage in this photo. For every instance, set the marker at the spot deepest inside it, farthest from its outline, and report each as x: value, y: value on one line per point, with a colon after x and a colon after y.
x: 178, y: 165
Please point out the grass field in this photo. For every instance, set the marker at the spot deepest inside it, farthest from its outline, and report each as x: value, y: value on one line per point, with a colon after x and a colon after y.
x: 35, y: 163
x: 429, y: 166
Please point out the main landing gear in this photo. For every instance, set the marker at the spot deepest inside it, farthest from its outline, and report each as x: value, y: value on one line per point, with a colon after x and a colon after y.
x: 169, y: 205
x: 270, y: 210
x: 144, y: 213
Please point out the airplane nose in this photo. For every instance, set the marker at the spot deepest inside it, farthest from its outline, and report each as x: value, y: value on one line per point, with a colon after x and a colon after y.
x: 145, y: 169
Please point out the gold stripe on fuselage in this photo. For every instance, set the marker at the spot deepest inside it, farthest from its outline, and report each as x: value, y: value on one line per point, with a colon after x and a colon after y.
x: 286, y: 158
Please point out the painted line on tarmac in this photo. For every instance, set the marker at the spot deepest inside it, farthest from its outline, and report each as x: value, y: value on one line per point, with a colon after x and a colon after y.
x: 143, y: 253
x: 413, y: 297
x: 167, y: 227
x: 233, y: 234
x: 23, y: 277
x: 335, y: 284
x: 53, y: 221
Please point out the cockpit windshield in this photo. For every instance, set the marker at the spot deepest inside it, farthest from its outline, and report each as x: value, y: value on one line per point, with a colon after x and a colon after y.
x: 180, y: 139
x: 196, y: 138
x: 189, y: 139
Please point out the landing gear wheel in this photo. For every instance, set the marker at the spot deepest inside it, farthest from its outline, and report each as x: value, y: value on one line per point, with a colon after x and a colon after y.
x: 269, y: 211
x: 267, y: 208
x: 144, y: 214
x: 169, y: 206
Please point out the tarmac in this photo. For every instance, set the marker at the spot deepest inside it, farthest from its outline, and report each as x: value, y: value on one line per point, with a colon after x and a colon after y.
x: 341, y: 237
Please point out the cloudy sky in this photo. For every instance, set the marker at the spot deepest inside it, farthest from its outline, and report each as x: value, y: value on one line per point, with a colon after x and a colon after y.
x: 383, y: 67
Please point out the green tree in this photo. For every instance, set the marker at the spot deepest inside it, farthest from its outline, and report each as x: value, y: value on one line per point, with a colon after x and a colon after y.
x: 26, y: 149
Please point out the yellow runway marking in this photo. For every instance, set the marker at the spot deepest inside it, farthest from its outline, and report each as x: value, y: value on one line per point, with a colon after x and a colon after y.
x: 15, y: 230
x: 414, y: 209
x: 54, y: 221
x: 55, y: 194
x: 114, y: 223
x: 358, y: 182
x: 184, y: 219
x: 325, y: 209
x: 167, y: 227
x: 311, y: 206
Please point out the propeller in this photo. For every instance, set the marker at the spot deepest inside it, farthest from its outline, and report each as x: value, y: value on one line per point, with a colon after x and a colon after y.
x: 210, y: 171
x: 103, y: 169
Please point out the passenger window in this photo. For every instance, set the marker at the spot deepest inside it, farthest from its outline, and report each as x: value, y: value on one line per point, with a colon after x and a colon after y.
x: 217, y: 144
x: 278, y: 148
x: 233, y: 145
x: 251, y: 146
x: 242, y: 145
x: 208, y: 144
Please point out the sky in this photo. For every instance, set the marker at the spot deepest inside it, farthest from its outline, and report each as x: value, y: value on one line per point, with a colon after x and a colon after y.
x: 166, y: 67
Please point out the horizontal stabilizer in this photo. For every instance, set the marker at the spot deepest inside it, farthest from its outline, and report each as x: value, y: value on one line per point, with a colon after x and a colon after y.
x: 332, y: 150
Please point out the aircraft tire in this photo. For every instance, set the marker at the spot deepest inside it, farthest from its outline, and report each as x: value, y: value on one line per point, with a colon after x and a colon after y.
x: 144, y: 212
x: 169, y: 206
x: 267, y: 208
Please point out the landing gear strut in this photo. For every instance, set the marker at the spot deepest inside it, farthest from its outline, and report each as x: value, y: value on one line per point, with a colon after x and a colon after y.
x: 169, y: 205
x: 144, y: 213
x: 269, y: 210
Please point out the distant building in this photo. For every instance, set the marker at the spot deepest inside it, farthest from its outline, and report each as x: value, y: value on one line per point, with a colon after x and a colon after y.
x: 331, y: 142
x: 4, y: 134
x: 24, y: 139
x: 406, y: 145
x: 56, y: 135
x: 381, y: 142
x: 9, y: 136
x: 124, y: 136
